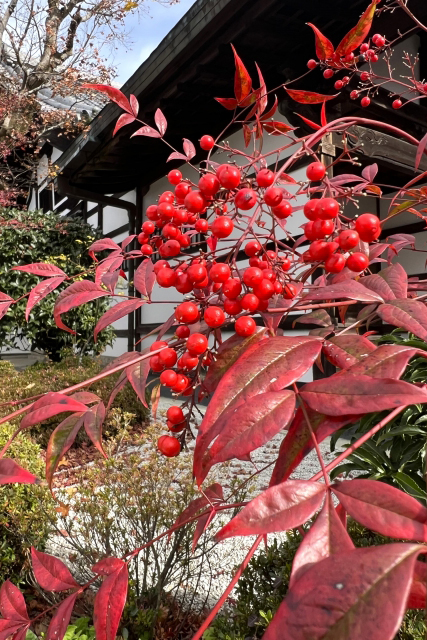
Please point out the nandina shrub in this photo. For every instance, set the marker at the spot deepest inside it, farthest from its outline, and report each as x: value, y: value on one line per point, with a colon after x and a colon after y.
x: 252, y: 378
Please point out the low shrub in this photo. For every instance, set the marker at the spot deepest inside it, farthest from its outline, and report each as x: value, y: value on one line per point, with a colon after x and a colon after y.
x: 265, y: 583
x: 25, y: 510
x: 58, y: 375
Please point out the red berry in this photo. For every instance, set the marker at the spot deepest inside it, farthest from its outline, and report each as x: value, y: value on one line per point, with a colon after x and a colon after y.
x: 319, y: 250
x: 328, y: 73
x: 310, y: 209
x: 262, y: 305
x: 214, y: 317
x: 186, y: 312
x: 159, y: 265
x: 183, y: 283
x: 232, y: 288
x: 176, y: 428
x: 209, y: 184
x: 309, y: 231
x: 158, y: 344
x: 249, y: 302
x: 364, y: 47
x: 188, y: 361
x: 315, y: 171
x: 354, y: 95
x: 169, y: 446
x: 168, y: 377
x: 328, y: 208
x: 397, y: 103
x: 170, y: 230
x: 166, y: 277
x: 165, y: 210
x: 252, y: 248
x: 252, y: 276
x: 175, y: 414
x: 232, y: 307
x: 311, y: 64
x: 345, y: 80
x: 348, y: 239
x: 323, y: 228
x: 286, y: 264
x: 167, y: 196
x: 255, y: 261
x: 289, y: 290
x: 349, y: 58
x: 197, y: 273
x: 195, y: 202
x: 378, y: 40
x: 170, y: 249
x: 201, y: 225
x: 143, y: 238
x: 273, y: 196
x: 283, y: 210
x: 219, y: 272
x: 245, y: 199
x: 277, y: 287
x: 368, y: 227
x: 207, y: 143
x: 181, y: 384
x: 365, y: 102
x: 339, y: 84
x: 148, y: 226
x: 168, y: 357
x: 222, y: 227
x: 245, y: 326
x: 365, y: 76
x: 357, y: 262
x: 265, y: 178
x: 146, y: 250
x: 335, y: 263
x: 182, y: 331
x: 156, y: 364
x: 269, y: 274
x: 175, y: 176
x: 264, y: 290
x: 229, y: 176
x: 152, y: 213
x: 182, y: 189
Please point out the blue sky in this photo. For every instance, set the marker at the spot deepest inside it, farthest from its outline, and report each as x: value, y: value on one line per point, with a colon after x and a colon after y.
x: 147, y: 33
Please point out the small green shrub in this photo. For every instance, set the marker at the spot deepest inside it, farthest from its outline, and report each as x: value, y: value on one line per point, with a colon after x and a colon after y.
x: 81, y: 629
x: 58, y: 375
x: 264, y: 585
x: 25, y: 510
x: 35, y: 236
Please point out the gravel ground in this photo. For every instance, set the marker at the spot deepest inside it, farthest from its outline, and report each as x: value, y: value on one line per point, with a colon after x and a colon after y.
x: 225, y: 556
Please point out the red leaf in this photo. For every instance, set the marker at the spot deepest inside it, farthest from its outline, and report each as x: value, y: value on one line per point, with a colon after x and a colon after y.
x: 270, y: 113
x: 252, y: 425
x: 115, y: 95
x: 214, y: 494
x: 9, y: 627
x: 397, y: 279
x: 60, y: 441
x: 116, y: 312
x: 107, y: 566
x: 357, y: 35
x: 298, y: 442
x: 267, y: 366
x: 387, y: 361
x: 11, y: 472
x: 227, y: 354
x: 147, y: 131
x: 51, y: 573
x: 161, y: 122
x: 323, y: 120
x: 247, y: 135
x: 201, y: 525
x: 125, y: 118
x: 383, y: 508
x: 74, y: 296
x: 109, y: 603
x: 320, y: 317
x: 109, y: 265
x: 102, y: 244
x: 189, y: 149
x: 276, y: 127
x: 228, y: 103
x: 279, y: 508
x: 408, y: 314
x: 5, y: 306
x: 61, y: 618
x: 137, y: 375
x: 48, y: 406
x: 93, y: 421
x: 85, y: 396
x: 344, y: 393
x: 120, y: 384
x: 155, y: 399
x: 242, y: 79
x: 358, y: 594
x: 418, y: 594
x: 420, y: 150
x: 326, y: 536
x: 308, y: 97
x: 177, y: 156
x: 126, y: 242
x: 346, y: 350
x: 144, y: 278
x: 310, y: 123
x: 346, y: 289
x: 324, y: 47
x: 12, y: 603
x: 379, y: 285
x: 41, y: 269
x: 40, y: 291
x: 134, y: 104
x: 263, y: 97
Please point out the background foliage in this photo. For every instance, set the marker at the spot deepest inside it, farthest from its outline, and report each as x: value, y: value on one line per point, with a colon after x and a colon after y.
x: 34, y: 236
